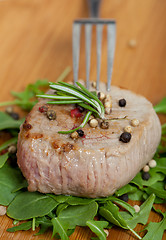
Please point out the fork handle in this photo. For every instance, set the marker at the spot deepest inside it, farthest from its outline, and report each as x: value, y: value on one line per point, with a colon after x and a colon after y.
x: 94, y: 7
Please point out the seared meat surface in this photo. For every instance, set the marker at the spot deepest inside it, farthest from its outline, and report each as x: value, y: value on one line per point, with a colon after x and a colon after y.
x: 95, y: 165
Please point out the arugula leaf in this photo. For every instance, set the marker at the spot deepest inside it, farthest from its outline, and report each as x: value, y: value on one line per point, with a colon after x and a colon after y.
x: 7, y: 122
x: 161, y: 166
x: 126, y: 189
x: 44, y: 223
x: 125, y: 205
x: 156, y: 230
x: 28, y: 205
x: 158, y: 189
x: 61, y: 207
x: 26, y: 99
x: 8, y: 143
x: 161, y: 107
x: 60, y: 227
x: 98, y: 228
x: 10, y: 178
x: 3, y: 159
x: 111, y: 213
x: 154, y: 177
x: 78, y: 215
x: 59, y: 198
x: 79, y: 201
x: 137, y: 196
x: 22, y: 227
x: 142, y: 216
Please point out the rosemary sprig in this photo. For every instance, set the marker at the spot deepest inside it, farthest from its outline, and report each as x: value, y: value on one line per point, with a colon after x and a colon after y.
x: 87, y: 116
x: 70, y: 94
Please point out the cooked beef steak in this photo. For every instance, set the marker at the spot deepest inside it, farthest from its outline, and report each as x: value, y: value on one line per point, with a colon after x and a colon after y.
x: 94, y: 165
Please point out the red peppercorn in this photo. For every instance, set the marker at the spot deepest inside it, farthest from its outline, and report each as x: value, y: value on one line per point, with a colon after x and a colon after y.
x: 43, y: 109
x: 75, y: 113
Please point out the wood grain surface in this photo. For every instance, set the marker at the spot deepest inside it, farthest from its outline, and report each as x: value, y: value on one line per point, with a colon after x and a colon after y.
x: 36, y: 43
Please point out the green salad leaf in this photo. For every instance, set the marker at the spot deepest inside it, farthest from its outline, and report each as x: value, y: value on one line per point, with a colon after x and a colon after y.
x: 7, y: 122
x: 161, y: 106
x: 22, y: 227
x: 28, y: 205
x: 3, y: 159
x: 98, y: 228
x: 156, y: 229
x: 78, y: 214
x: 10, y: 178
x: 142, y: 216
x: 60, y: 227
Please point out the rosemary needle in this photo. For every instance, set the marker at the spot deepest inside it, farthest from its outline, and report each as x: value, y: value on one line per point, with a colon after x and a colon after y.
x: 70, y: 94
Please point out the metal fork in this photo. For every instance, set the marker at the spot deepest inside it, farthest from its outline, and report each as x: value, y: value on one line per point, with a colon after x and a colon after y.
x: 111, y: 33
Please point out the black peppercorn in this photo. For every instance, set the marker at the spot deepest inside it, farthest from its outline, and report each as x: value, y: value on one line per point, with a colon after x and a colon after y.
x: 14, y: 115
x: 125, y: 137
x: 104, y: 125
x: 122, y: 102
x: 145, y: 176
x: 124, y: 197
x: 80, y: 132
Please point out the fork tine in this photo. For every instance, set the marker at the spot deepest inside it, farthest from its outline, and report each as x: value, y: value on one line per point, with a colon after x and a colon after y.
x: 111, y: 33
x: 76, y: 49
x: 88, y: 32
x: 99, y: 28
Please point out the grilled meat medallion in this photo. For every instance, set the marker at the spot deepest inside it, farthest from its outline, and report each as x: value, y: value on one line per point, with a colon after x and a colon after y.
x: 95, y: 165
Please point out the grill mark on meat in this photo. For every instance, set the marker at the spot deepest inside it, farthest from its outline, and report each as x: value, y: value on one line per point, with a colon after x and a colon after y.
x: 67, y: 147
x: 34, y: 135
x: 27, y: 126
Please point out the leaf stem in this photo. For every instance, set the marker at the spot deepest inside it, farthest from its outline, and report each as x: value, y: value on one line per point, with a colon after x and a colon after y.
x: 134, y: 232
x: 33, y: 224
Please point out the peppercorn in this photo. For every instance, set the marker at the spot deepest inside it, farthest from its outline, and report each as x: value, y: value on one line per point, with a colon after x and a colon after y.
x: 74, y: 135
x: 104, y: 125
x: 80, y: 132
x: 12, y: 149
x: 146, y: 168
x: 137, y: 208
x: 145, y: 176
x: 108, y: 110
x: 2, y: 210
x: 94, y: 84
x: 14, y: 115
x: 122, y: 102
x: 81, y: 109
x: 101, y: 95
x: 43, y: 109
x: 124, y: 197
x: 107, y: 104
x: 93, y: 123
x: 125, y: 137
x: 134, y: 122
x: 128, y: 129
x: 152, y: 163
x: 9, y: 109
x: 51, y: 114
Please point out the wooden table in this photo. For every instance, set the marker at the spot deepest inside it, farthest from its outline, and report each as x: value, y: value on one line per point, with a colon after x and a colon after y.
x: 35, y: 43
